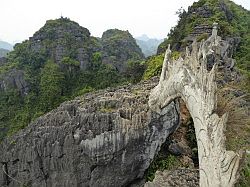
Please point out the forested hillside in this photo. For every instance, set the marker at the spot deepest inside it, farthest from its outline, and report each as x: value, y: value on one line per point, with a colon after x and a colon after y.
x: 60, y: 61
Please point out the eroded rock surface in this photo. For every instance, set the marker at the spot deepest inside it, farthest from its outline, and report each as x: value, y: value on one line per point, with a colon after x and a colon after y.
x: 106, y: 138
x: 189, y: 79
x: 183, y: 177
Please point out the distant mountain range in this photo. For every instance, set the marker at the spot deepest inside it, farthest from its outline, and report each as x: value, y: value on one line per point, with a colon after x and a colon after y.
x: 148, y: 45
x: 6, y: 45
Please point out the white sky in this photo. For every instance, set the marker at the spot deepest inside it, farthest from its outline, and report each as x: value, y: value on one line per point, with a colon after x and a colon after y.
x: 19, y: 19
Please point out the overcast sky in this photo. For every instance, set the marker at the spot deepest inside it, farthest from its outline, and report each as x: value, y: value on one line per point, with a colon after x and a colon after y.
x: 19, y: 19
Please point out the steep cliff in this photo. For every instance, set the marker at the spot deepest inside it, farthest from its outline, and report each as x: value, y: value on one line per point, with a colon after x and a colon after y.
x: 105, y: 138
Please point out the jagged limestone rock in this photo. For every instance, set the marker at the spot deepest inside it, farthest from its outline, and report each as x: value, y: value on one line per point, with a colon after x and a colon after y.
x: 181, y: 177
x: 190, y: 80
x: 107, y: 138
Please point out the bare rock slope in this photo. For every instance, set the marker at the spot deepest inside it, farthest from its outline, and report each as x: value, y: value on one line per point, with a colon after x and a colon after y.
x: 106, y: 138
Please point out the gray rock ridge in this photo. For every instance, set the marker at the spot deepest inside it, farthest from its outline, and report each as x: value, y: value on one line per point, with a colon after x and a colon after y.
x: 105, y: 138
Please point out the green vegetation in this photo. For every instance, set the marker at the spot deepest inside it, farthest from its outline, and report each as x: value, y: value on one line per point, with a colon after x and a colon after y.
x: 84, y: 90
x: 244, y: 180
x: 233, y: 20
x: 50, y: 86
x: 4, y: 69
x: 175, y: 55
x: 70, y: 62
x: 163, y: 161
x: 52, y: 82
x: 153, y: 66
x: 203, y: 36
x: 112, y: 40
x: 105, y: 109
x: 52, y: 69
x: 134, y: 70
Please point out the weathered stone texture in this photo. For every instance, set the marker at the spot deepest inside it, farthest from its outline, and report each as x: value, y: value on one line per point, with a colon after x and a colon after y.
x: 106, y: 138
x: 190, y: 79
x: 182, y: 177
x: 14, y: 79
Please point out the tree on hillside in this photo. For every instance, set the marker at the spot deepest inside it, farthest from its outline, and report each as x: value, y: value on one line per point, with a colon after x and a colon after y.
x: 50, y: 85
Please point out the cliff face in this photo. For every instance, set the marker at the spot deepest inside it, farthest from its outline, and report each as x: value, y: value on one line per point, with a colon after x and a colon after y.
x: 107, y: 138
x: 14, y: 80
x: 64, y: 38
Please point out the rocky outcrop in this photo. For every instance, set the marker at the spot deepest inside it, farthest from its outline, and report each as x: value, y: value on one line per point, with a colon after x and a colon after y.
x: 14, y: 79
x: 202, y: 29
x: 183, y: 177
x: 198, y: 21
x: 64, y: 38
x: 106, y: 138
x: 189, y: 79
x: 119, y: 47
x: 57, y: 29
x: 225, y: 8
x: 202, y: 11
